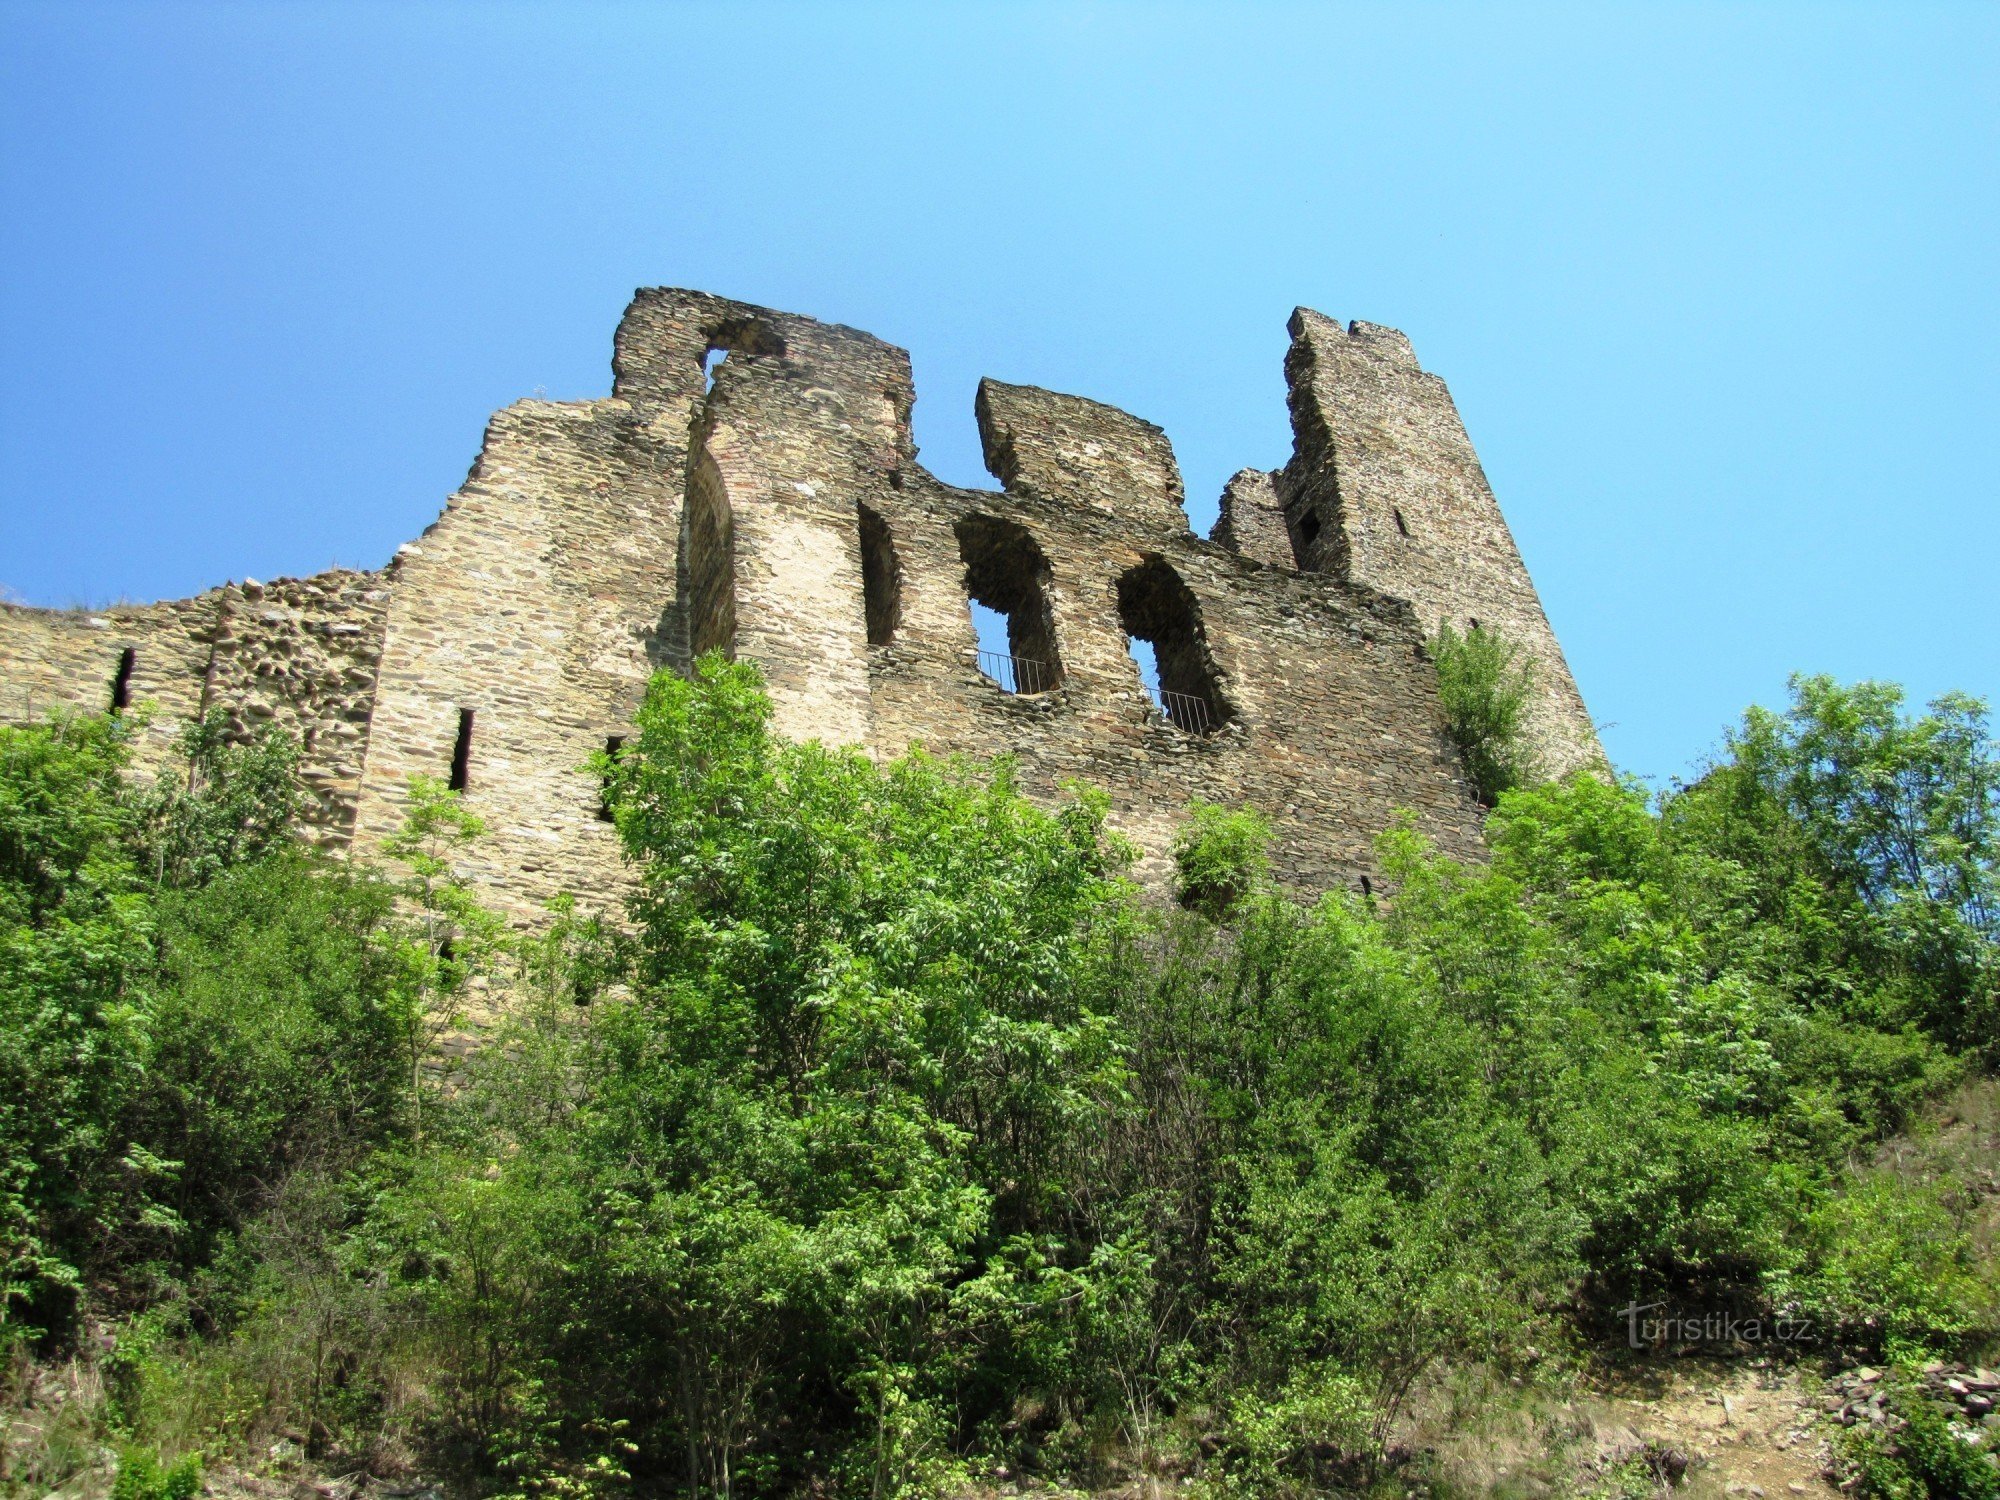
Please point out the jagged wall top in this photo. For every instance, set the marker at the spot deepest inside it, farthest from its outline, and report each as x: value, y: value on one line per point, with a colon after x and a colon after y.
x: 772, y: 503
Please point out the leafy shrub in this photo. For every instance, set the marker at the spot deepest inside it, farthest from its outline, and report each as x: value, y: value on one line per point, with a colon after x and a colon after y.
x: 1484, y: 684
x: 141, y: 1476
x: 1923, y: 1460
x: 1219, y: 858
x: 1891, y: 1261
x: 1304, y: 1437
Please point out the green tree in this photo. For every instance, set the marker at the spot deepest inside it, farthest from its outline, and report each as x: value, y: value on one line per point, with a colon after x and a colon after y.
x: 227, y: 801
x: 1903, y: 811
x: 192, y: 1005
x: 75, y: 941
x: 1485, y: 683
x: 857, y: 1052
x: 453, y: 941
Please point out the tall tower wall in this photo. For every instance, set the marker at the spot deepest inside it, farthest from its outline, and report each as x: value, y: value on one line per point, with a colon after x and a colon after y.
x: 1384, y: 489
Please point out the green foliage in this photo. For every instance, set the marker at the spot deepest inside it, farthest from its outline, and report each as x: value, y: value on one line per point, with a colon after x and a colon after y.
x: 857, y: 1048
x: 74, y: 949
x: 906, y: 1115
x: 453, y: 941
x: 237, y: 801
x: 1219, y: 858
x: 191, y: 1005
x: 1484, y: 684
x: 1904, y: 813
x: 1891, y: 1262
x: 1922, y: 1460
x: 889, y: 1134
x: 141, y: 1476
x: 1295, y: 1439
x: 273, y: 1037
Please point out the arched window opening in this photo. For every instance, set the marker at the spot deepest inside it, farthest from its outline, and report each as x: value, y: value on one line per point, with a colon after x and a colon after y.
x: 1008, y: 578
x: 1163, y: 625
x: 708, y: 560
x: 1309, y: 527
x: 881, y: 579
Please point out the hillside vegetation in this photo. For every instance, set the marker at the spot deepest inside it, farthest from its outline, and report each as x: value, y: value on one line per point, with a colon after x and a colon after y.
x: 890, y: 1143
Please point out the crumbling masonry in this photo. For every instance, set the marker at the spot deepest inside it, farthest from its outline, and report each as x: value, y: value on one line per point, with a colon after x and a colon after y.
x: 751, y: 484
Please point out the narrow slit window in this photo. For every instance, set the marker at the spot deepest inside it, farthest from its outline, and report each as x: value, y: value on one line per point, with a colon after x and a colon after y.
x: 881, y: 579
x: 614, y: 746
x: 1007, y: 587
x: 121, y: 684
x: 1163, y: 631
x: 1367, y: 888
x: 1401, y: 525
x: 461, y: 752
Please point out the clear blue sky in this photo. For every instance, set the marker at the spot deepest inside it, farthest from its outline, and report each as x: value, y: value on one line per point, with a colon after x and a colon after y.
x: 1714, y: 286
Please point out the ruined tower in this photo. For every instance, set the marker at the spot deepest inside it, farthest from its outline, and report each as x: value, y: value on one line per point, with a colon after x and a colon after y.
x: 751, y: 485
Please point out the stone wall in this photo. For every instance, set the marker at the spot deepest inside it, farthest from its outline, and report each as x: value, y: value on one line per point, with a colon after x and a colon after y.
x: 751, y: 483
x: 1384, y: 489
x: 74, y: 659
x: 300, y: 653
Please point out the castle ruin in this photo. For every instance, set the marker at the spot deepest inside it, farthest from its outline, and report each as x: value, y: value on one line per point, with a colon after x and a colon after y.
x: 751, y: 484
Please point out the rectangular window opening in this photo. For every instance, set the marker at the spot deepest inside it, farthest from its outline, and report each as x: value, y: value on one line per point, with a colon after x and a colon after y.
x: 614, y: 746
x: 121, y: 685
x: 461, y: 752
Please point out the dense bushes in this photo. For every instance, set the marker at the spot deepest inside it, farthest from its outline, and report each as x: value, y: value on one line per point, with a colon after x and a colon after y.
x: 191, y: 1006
x: 916, y: 1139
x: 891, y: 1134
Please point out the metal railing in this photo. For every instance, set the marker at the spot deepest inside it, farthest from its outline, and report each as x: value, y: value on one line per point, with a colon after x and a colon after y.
x: 1016, y: 674
x: 1186, y: 712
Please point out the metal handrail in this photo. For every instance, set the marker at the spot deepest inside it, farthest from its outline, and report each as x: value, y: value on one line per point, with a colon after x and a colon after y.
x: 1016, y: 674
x: 1187, y: 712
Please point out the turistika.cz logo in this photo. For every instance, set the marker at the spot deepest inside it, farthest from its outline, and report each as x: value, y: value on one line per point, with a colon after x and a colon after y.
x: 1648, y: 1326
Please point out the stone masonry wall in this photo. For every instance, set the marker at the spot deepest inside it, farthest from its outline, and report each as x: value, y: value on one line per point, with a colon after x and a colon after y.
x: 297, y: 652
x: 1385, y: 474
x: 302, y: 653
x: 720, y: 496
x: 71, y: 659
